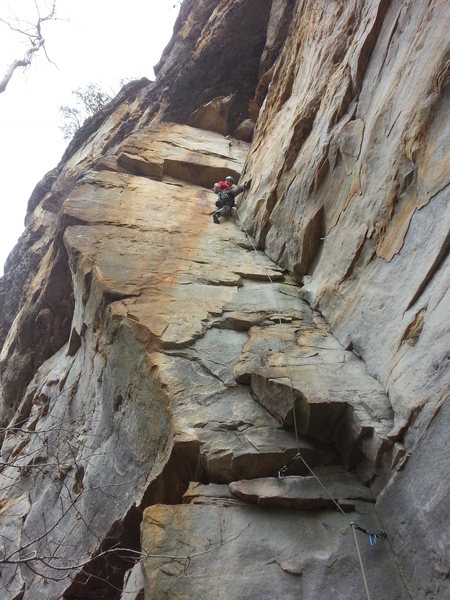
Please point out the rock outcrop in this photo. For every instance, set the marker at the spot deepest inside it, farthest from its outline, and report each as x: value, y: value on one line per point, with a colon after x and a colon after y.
x: 199, y: 411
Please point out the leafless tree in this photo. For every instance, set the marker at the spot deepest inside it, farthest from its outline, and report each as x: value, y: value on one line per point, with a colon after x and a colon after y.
x: 41, y: 451
x: 36, y: 41
x: 46, y: 555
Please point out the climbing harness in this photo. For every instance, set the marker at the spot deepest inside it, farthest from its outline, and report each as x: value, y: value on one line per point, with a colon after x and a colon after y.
x: 226, y: 198
x: 373, y: 535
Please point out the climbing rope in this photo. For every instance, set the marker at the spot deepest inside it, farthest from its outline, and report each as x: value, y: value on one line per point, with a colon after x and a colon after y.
x: 294, y: 416
x: 361, y: 564
x: 354, y: 526
x: 397, y: 562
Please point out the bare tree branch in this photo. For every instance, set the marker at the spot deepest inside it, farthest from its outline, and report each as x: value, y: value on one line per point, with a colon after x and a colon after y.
x: 36, y: 42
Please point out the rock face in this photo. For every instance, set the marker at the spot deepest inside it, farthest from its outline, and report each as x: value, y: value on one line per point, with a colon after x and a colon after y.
x: 240, y: 552
x: 200, y: 411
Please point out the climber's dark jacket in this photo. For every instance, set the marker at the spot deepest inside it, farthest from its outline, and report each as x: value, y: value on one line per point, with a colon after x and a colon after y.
x: 226, y: 200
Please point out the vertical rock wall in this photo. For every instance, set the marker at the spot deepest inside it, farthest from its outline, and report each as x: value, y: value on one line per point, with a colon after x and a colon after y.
x: 350, y: 162
x: 158, y: 370
x: 361, y: 153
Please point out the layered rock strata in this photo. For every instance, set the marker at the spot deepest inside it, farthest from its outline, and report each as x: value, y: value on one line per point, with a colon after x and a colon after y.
x: 142, y: 398
x: 171, y: 395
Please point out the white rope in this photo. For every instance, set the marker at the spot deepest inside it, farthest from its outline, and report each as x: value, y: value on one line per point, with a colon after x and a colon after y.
x: 361, y: 563
x: 395, y: 556
x: 338, y: 506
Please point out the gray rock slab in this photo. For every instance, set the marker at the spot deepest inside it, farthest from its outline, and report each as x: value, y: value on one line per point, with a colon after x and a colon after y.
x: 259, y: 301
x: 304, y: 492
x: 415, y: 510
x: 232, y: 455
x: 248, y: 552
x: 218, y: 350
x: 302, y: 365
x: 238, y: 438
x: 211, y: 494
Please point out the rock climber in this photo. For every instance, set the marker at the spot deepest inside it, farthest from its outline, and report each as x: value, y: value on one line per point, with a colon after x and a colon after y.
x: 222, y: 186
x: 227, y: 194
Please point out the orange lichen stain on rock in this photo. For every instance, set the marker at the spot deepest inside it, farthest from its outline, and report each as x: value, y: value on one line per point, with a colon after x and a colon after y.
x: 334, y: 189
x: 153, y: 527
x: 153, y: 308
x: 355, y: 189
x: 393, y: 239
x: 414, y: 329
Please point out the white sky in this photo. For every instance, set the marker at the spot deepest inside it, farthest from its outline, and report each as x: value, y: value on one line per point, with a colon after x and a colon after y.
x: 102, y: 41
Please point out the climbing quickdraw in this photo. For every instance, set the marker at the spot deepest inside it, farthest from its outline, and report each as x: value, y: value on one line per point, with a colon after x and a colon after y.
x: 283, y: 469
x: 373, y: 535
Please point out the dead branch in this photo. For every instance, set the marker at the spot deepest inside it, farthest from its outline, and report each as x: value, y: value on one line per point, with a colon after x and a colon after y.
x: 36, y: 42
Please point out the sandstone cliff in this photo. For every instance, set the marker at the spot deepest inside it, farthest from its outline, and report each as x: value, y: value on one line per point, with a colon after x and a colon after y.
x: 200, y: 411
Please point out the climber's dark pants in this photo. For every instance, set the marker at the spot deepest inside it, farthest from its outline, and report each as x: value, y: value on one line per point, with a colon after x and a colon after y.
x: 225, y: 211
